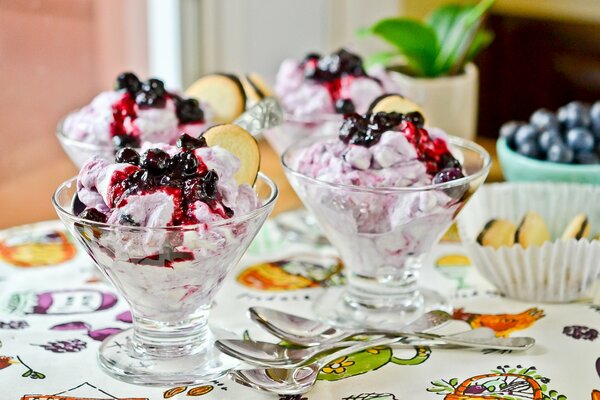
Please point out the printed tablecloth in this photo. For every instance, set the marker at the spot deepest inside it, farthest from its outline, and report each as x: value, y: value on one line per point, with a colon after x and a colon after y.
x: 55, y: 310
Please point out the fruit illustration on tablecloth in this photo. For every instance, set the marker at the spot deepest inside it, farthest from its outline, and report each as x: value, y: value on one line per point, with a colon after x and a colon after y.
x: 293, y: 273
x: 37, y: 249
x: 569, y: 136
x: 502, y: 324
x: 504, y: 382
x: 84, y: 391
x: 61, y: 302
x: 371, y: 396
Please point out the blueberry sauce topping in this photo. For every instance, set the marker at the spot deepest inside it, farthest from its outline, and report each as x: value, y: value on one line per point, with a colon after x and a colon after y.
x: 183, y: 176
x: 447, y: 175
x: 366, y: 130
x: 93, y: 215
x: 188, y: 111
x: 128, y: 81
x: 138, y: 94
x: 127, y: 155
x: 344, y: 106
x: 330, y: 70
x: 187, y: 142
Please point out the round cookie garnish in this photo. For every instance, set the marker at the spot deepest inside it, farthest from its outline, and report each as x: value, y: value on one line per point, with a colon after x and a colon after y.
x: 224, y: 94
x: 578, y: 228
x: 255, y: 87
x: 532, y: 231
x: 497, y: 233
x: 241, y: 144
x: 394, y: 103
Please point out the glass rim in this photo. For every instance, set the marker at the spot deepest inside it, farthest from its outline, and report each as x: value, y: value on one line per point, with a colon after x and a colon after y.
x: 452, y: 140
x: 192, y: 227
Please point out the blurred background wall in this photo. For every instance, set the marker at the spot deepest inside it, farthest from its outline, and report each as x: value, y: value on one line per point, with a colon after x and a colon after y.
x: 55, y: 55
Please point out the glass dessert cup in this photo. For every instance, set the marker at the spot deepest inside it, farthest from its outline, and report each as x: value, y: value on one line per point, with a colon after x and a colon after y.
x: 78, y: 151
x: 301, y: 225
x: 382, y: 235
x: 169, y: 277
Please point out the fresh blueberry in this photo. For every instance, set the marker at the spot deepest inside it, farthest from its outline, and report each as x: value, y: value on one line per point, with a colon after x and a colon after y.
x: 92, y: 214
x: 530, y: 149
x: 127, y: 219
x: 122, y: 141
x: 560, y: 153
x: 155, y: 161
x: 128, y: 81
x: 154, y: 85
x: 587, y: 158
x: 189, y: 110
x: 447, y: 175
x: 574, y: 114
x: 127, y: 155
x: 508, y: 130
x: 525, y: 133
x: 543, y: 119
x: 447, y: 160
x: 344, y: 106
x: 416, y: 118
x: 187, y: 142
x: 548, y: 137
x: 580, y: 140
x: 312, y: 56
x: 595, y: 118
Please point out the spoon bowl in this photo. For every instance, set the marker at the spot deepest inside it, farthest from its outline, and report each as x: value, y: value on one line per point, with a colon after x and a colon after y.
x: 308, y: 332
x: 272, y: 354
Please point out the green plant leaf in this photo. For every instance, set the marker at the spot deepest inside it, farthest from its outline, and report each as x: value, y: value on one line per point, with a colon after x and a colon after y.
x: 413, y: 39
x: 362, y: 33
x: 458, y: 25
x: 482, y: 40
x: 381, y: 58
x: 441, y: 20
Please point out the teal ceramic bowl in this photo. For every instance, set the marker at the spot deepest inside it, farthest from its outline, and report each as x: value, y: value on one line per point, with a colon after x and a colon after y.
x: 518, y: 168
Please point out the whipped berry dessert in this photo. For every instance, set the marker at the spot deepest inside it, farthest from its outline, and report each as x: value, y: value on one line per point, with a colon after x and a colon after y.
x: 384, y: 191
x: 168, y: 208
x: 136, y: 112
x: 331, y: 84
x: 166, y: 224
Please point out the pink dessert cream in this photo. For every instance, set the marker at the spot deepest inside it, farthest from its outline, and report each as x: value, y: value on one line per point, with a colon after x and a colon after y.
x: 136, y: 112
x: 383, y: 193
x: 331, y: 84
x: 167, y: 241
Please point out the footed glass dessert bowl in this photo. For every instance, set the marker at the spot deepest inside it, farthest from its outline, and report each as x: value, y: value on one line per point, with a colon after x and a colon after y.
x: 169, y: 276
x: 381, y: 233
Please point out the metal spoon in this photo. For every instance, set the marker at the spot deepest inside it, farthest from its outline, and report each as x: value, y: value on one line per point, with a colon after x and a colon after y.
x: 265, y: 114
x: 308, y: 332
x: 275, y: 355
x: 296, y: 380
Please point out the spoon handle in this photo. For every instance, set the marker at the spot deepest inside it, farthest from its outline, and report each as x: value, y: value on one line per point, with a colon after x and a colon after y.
x: 517, y: 343
x: 353, y: 349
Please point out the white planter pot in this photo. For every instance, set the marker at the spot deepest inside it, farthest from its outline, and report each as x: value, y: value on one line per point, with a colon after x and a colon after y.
x: 450, y: 102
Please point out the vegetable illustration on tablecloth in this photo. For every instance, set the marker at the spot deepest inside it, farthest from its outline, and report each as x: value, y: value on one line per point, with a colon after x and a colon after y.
x: 37, y: 248
x: 293, y: 273
x: 61, y: 302
x: 502, y: 324
x: 85, y: 391
x: 504, y: 382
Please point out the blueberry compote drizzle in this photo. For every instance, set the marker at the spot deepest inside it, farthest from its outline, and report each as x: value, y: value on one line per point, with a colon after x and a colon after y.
x: 148, y: 94
x: 332, y: 71
x: 183, y: 176
x: 366, y: 130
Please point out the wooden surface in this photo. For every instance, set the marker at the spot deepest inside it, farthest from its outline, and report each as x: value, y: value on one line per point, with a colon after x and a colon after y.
x: 26, y: 197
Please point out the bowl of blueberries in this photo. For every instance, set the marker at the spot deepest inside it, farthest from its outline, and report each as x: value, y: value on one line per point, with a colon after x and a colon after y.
x: 561, y: 146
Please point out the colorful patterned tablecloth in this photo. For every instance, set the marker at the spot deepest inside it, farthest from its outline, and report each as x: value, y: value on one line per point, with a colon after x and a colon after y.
x: 55, y: 309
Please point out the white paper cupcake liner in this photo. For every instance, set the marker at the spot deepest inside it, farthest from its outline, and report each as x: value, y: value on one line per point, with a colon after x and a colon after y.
x: 558, y: 271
